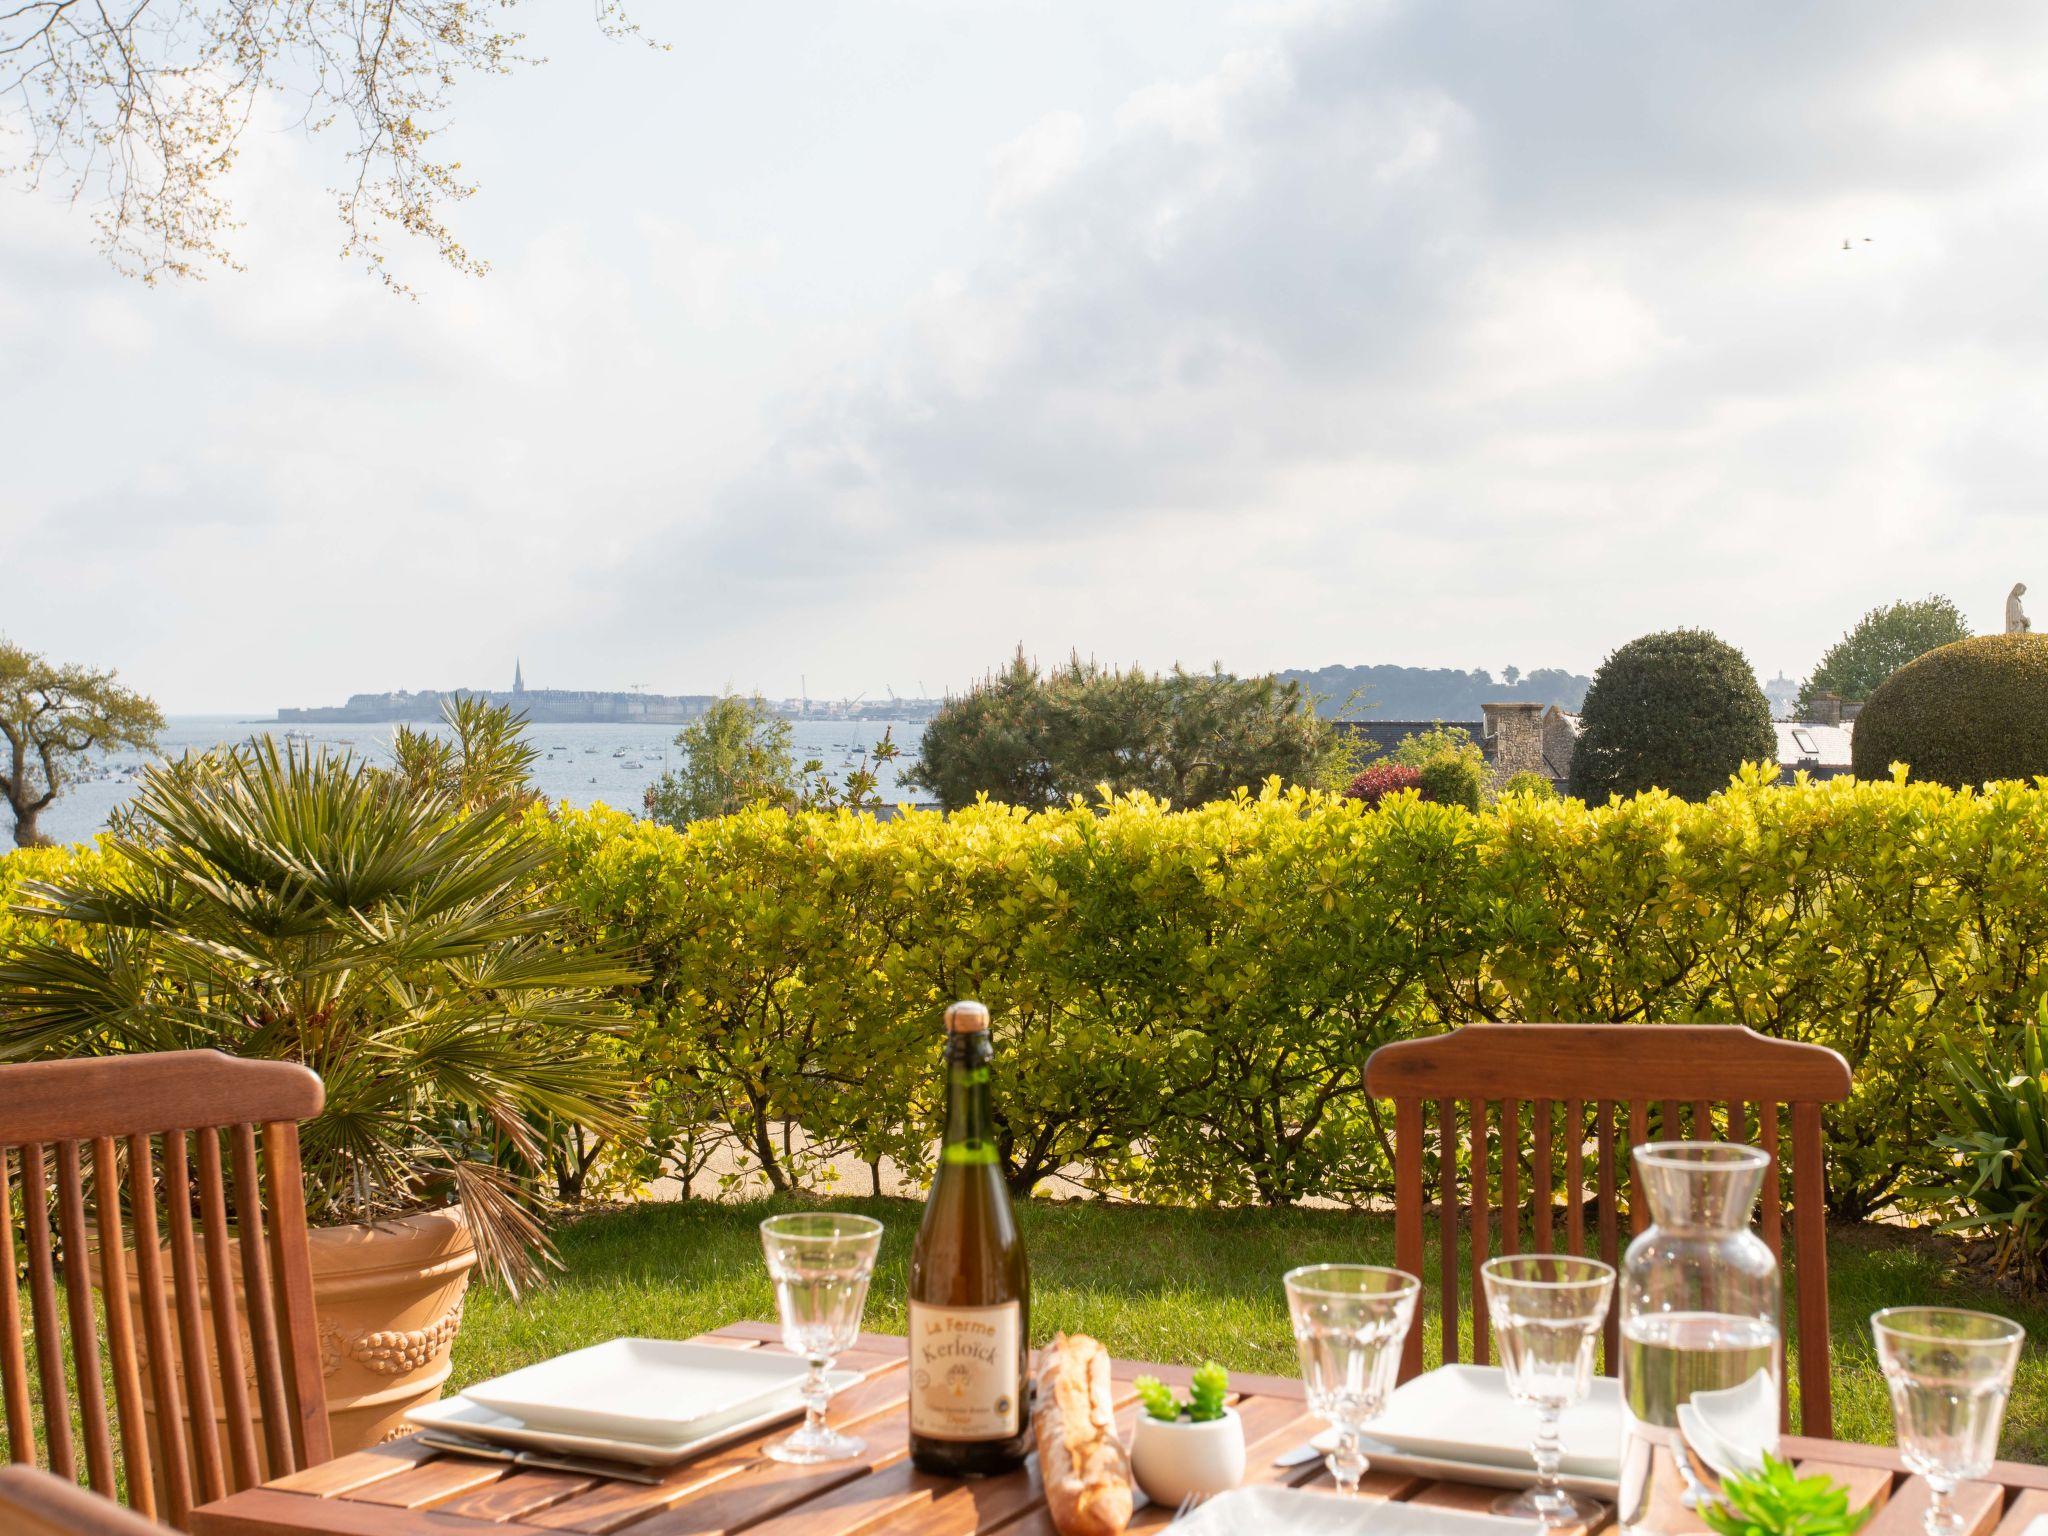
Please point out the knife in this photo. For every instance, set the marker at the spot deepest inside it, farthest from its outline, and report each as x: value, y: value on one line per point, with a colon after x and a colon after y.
x: 537, y: 1461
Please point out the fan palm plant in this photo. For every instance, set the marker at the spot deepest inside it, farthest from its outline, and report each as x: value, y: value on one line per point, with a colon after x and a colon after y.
x: 391, y: 934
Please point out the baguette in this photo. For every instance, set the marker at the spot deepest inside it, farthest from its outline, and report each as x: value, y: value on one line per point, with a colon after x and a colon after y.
x: 1081, y: 1462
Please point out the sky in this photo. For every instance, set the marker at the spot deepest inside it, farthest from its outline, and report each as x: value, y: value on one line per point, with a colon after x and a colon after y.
x: 846, y: 347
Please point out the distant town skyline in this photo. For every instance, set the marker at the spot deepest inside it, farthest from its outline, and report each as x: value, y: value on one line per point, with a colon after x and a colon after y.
x: 844, y: 347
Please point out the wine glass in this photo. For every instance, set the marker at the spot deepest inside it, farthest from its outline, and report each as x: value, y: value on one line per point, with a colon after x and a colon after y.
x: 1949, y: 1371
x: 1547, y: 1310
x: 1349, y: 1322
x: 820, y: 1263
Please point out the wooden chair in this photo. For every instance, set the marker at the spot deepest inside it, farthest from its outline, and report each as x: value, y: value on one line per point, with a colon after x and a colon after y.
x: 1641, y: 1082
x: 152, y: 1128
x: 33, y: 1503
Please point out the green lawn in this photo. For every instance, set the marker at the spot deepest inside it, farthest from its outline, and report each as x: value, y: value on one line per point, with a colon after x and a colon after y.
x: 1152, y: 1284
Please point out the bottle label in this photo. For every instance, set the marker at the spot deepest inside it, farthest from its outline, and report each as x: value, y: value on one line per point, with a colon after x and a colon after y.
x: 964, y: 1365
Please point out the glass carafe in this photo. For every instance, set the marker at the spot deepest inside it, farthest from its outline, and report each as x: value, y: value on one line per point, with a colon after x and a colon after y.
x: 1701, y: 1348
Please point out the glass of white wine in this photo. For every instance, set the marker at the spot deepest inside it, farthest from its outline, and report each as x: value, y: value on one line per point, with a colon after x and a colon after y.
x: 1949, y: 1371
x: 1546, y: 1311
x: 1349, y: 1324
x: 820, y: 1262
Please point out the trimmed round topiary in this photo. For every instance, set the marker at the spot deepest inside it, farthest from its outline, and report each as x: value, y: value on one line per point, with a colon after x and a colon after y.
x: 1967, y: 713
x: 1679, y: 710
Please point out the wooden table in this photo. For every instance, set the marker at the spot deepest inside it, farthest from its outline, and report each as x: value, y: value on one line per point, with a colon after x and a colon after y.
x: 406, y: 1489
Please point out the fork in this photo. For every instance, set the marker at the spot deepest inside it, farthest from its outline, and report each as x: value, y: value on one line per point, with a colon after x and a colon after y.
x: 1189, y: 1503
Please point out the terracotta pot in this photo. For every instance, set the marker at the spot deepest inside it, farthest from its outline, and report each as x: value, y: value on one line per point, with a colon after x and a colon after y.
x: 388, y: 1299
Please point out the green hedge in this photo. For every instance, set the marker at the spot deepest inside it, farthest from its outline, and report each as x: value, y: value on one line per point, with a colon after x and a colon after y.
x: 1185, y: 999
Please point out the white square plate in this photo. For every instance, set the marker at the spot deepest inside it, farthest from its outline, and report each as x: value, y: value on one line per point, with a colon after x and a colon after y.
x: 1294, y: 1512
x: 656, y: 1390
x: 1464, y: 1413
x: 460, y: 1416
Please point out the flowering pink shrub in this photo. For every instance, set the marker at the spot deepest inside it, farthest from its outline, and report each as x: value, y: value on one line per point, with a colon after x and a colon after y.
x: 1383, y: 779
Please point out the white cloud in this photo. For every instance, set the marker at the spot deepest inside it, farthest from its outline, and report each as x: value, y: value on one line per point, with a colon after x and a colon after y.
x: 1419, y: 330
x: 1507, y: 301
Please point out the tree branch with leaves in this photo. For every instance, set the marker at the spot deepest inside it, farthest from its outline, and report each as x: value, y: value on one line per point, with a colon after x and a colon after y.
x: 53, y: 720
x: 140, y: 107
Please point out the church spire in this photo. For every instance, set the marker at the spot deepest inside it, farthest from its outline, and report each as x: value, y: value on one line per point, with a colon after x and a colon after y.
x: 518, y: 677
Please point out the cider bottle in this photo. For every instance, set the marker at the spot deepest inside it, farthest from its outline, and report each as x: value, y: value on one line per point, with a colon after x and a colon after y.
x: 970, y: 1286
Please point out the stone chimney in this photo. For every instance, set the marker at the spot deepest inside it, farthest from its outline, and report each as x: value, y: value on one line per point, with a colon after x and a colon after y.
x: 1826, y: 709
x: 1514, y: 739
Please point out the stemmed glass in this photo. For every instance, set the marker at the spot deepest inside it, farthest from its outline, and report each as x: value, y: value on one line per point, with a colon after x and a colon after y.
x: 1349, y: 1322
x: 820, y: 1263
x: 1547, y: 1310
x: 1949, y: 1371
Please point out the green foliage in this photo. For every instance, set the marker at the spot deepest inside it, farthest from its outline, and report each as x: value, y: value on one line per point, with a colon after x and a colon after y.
x: 1207, y: 1389
x: 306, y: 906
x: 1777, y: 1501
x: 483, y: 758
x: 1451, y: 763
x: 1158, y: 1398
x: 1679, y: 710
x: 1883, y: 641
x: 1184, y: 1000
x: 1966, y: 714
x: 1032, y: 740
x: 1998, y: 1119
x: 1529, y: 782
x: 53, y: 720
x: 736, y: 754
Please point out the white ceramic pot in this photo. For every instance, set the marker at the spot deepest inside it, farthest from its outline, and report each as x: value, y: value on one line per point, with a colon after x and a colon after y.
x: 1172, y: 1459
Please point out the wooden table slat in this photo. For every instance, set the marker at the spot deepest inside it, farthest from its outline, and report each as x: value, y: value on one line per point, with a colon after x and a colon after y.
x: 406, y: 1489
x: 1869, y: 1487
x: 519, y: 1495
x: 1980, y: 1505
x: 2031, y: 1505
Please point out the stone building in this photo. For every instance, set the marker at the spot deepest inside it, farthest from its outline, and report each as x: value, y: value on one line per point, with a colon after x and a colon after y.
x: 1533, y: 738
x: 1541, y: 738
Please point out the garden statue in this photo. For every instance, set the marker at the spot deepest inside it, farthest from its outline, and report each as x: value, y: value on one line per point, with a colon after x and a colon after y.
x: 2016, y: 616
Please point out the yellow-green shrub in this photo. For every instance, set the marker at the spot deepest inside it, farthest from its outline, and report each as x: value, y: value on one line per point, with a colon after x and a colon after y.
x: 1185, y: 999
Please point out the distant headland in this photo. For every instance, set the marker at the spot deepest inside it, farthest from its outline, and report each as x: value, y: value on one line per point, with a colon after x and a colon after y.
x: 581, y: 706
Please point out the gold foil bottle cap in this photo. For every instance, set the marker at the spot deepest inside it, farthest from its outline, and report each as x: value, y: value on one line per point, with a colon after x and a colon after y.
x: 966, y: 1018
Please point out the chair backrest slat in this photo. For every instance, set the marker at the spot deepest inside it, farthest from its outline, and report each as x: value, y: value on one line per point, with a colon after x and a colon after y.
x: 263, y: 1350
x: 21, y: 1443
x: 294, y: 1256
x: 1771, y: 1218
x: 1654, y: 1082
x: 127, y: 1371
x: 1610, y: 1241
x: 1510, y: 1176
x: 85, y: 1333
x: 212, y: 1478
x: 174, y: 1460
x: 1575, y: 1175
x: 1447, y: 1221
x: 1810, y: 1268
x: 180, y: 1430
x: 42, y: 1300
x: 1482, y: 1226
x: 227, y: 1327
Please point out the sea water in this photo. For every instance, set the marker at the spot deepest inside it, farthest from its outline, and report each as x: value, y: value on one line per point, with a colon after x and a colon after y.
x: 579, y: 764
